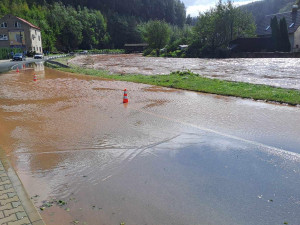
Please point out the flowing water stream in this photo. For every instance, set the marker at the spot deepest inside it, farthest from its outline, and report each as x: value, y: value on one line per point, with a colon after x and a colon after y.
x: 279, y: 72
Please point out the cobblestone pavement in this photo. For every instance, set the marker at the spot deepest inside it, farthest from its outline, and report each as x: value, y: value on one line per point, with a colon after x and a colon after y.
x: 15, y: 207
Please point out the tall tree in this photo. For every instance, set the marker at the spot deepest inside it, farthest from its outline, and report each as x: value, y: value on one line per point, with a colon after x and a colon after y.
x: 93, y: 28
x: 275, y: 33
x: 156, y: 33
x: 218, y: 26
x: 172, y: 11
x: 280, y: 36
x: 189, y: 20
x: 286, y: 45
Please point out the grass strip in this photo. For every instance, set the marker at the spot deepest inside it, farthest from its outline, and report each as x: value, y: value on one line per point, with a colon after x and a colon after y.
x: 187, y: 80
x: 63, y: 60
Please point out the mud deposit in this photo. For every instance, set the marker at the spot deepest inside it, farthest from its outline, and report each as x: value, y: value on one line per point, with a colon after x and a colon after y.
x: 167, y: 157
x: 276, y: 72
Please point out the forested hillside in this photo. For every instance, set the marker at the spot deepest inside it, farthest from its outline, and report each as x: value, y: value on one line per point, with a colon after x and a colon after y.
x: 266, y: 7
x: 84, y: 24
x: 172, y: 11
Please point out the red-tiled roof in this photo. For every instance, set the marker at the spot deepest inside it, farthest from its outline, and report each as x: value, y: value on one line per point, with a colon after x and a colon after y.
x: 30, y: 24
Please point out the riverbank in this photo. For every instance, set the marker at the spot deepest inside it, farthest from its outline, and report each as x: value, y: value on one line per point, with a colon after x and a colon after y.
x: 191, y: 81
x: 264, y: 55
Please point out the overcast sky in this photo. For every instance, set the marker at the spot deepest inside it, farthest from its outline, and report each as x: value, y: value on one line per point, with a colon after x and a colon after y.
x: 193, y: 7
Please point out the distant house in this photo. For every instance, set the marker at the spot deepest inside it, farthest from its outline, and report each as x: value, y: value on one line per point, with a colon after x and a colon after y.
x: 263, y: 44
x: 16, y: 32
x: 183, y: 47
x: 293, y: 23
x: 131, y: 48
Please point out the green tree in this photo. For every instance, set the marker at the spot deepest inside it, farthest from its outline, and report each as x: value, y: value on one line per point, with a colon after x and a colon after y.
x: 73, y: 24
x: 280, y: 36
x: 189, y: 20
x: 156, y: 33
x: 122, y: 30
x: 179, y: 36
x: 4, y: 8
x: 218, y: 26
x: 286, y: 45
x: 180, y: 13
x: 93, y: 28
x: 276, y: 37
x: 172, y: 11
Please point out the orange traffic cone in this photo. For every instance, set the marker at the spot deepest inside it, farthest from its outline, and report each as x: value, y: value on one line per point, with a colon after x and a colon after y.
x: 125, y: 98
x: 18, y: 71
x: 34, y: 78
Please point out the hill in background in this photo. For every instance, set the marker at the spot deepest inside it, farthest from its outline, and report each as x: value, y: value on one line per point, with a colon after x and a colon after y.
x: 260, y: 9
x: 85, y: 24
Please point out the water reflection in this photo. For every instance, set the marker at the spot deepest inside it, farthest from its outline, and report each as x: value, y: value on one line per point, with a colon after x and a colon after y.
x: 39, y: 69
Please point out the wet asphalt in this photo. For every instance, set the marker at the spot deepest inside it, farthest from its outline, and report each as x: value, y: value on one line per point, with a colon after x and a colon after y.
x: 6, y: 65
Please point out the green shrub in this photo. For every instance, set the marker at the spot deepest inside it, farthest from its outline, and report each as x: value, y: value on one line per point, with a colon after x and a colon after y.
x: 5, y: 53
x: 147, y: 51
x: 152, y: 53
x: 176, y: 54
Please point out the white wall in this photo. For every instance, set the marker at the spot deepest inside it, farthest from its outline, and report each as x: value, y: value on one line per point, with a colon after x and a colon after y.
x: 296, y: 41
x: 36, y: 40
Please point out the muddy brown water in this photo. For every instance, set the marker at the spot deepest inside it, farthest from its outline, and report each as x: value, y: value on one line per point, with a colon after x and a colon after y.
x: 279, y: 72
x: 70, y: 138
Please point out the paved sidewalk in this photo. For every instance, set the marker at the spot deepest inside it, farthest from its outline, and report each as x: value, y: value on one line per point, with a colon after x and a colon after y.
x: 15, y: 206
x: 5, y: 60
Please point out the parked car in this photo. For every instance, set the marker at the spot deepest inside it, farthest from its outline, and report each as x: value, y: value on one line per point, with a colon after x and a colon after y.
x: 85, y: 52
x: 38, y: 56
x: 19, y: 57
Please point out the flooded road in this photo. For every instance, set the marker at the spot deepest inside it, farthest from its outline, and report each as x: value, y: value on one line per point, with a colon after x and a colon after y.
x: 279, y: 72
x: 168, y: 157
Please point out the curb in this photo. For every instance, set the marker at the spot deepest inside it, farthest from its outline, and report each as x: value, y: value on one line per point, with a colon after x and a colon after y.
x: 57, y: 63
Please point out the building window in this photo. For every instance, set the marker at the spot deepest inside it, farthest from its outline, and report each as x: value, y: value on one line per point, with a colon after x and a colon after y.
x: 297, y: 46
x: 3, y: 37
x: 17, y: 24
x: 33, y: 36
x: 268, y: 27
x: 33, y: 48
x: 39, y: 38
x: 40, y: 49
x: 3, y: 25
x: 35, y: 32
x: 291, y: 25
